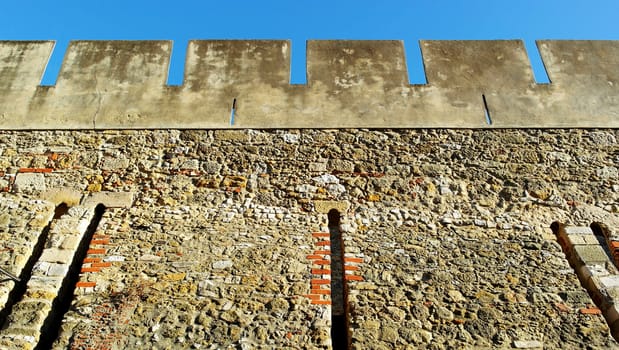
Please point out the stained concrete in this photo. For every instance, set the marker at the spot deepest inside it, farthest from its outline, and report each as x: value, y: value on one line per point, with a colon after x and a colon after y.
x: 122, y: 85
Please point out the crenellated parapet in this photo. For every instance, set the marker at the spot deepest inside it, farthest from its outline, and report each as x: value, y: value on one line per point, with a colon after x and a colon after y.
x: 350, y: 84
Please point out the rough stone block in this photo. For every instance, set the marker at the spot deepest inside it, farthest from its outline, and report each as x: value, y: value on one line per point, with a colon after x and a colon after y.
x: 114, y: 163
x: 70, y: 242
x: 577, y: 230
x: 594, y: 270
x: 43, y: 282
x: 610, y: 281
x: 317, y: 167
x: 583, y: 239
x: 528, y: 344
x: 576, y: 239
x: 591, y: 254
x: 109, y: 199
x: 55, y: 255
x: 325, y: 206
x: 58, y: 270
x: 69, y: 196
x: 593, y: 239
x: 66, y: 226
x: 40, y: 268
x: 29, y: 182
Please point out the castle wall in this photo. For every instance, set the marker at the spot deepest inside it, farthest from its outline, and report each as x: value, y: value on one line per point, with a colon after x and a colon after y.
x: 213, y: 236
x: 350, y: 84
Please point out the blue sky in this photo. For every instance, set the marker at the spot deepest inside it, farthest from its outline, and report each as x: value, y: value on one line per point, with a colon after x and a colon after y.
x: 299, y: 21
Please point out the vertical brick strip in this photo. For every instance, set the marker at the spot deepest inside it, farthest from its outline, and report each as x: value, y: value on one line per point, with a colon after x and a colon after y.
x: 320, y: 292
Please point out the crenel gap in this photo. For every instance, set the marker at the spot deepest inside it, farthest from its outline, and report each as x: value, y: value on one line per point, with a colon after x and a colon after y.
x: 54, y: 63
x: 176, y: 67
x: 20, y: 287
x: 540, y: 73
x: 339, y: 316
x: 62, y: 303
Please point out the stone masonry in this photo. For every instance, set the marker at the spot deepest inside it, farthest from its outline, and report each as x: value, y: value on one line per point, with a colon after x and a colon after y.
x: 449, y: 233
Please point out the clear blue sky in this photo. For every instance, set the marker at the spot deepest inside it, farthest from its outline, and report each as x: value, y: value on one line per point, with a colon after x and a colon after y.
x: 299, y: 21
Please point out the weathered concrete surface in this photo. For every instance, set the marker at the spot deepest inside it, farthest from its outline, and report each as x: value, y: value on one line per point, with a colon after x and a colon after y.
x: 122, y: 84
x: 22, y: 65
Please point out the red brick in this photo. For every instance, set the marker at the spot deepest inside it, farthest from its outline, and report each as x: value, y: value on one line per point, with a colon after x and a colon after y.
x: 351, y: 268
x: 323, y: 243
x: 321, y: 302
x: 320, y: 281
x: 353, y: 260
x: 35, y: 170
x: 91, y: 260
x: 614, y: 244
x: 314, y: 257
x: 96, y: 251
x: 312, y: 296
x: 353, y: 278
x: 321, y: 271
x: 322, y: 252
x: 85, y: 284
x: 321, y: 291
x: 590, y: 311
x: 101, y: 264
x: 100, y: 241
x: 562, y: 307
x: 321, y: 234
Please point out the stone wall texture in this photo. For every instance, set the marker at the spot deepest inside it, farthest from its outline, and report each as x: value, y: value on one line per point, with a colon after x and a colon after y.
x: 215, y: 239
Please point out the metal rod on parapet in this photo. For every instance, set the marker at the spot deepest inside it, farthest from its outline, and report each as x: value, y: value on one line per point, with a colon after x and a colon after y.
x: 10, y: 275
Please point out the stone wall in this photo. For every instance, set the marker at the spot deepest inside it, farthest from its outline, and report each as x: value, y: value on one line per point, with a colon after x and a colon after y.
x: 446, y: 234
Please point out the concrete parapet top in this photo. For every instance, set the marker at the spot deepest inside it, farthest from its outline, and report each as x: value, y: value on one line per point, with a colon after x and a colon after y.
x: 350, y: 84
